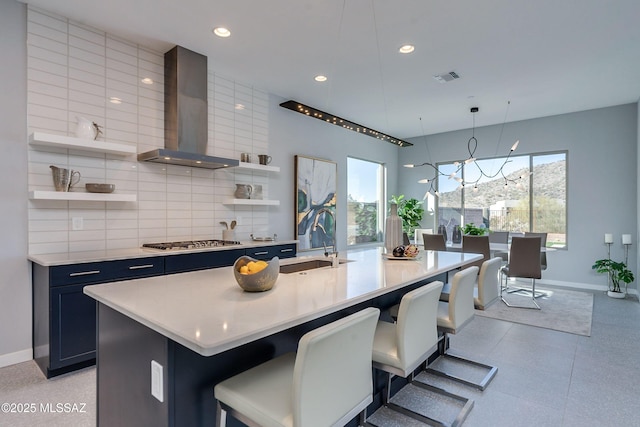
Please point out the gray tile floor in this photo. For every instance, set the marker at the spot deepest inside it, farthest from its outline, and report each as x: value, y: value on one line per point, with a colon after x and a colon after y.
x: 545, y: 378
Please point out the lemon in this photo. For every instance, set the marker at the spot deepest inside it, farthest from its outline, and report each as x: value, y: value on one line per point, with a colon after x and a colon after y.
x: 255, y: 267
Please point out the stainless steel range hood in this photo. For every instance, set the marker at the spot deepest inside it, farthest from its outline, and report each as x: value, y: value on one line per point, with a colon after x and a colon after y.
x: 185, y: 113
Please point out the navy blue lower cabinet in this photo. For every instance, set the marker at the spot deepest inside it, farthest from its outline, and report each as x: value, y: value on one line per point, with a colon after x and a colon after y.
x: 64, y: 318
x: 73, y: 327
x: 268, y: 252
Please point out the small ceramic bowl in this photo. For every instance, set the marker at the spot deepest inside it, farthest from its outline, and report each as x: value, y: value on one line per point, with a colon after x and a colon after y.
x: 100, y: 188
x: 262, y: 280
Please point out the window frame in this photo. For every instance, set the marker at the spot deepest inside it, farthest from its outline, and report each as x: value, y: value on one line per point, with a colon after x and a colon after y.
x: 531, y: 157
x: 382, y: 203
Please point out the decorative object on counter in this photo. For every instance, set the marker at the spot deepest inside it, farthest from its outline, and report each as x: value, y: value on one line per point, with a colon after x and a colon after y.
x: 411, y: 251
x: 229, y: 233
x: 410, y: 211
x: 243, y: 191
x: 99, y: 188
x: 87, y: 129
x: 316, y: 192
x: 393, y: 230
x: 264, y: 239
x: 245, y: 157
x: 405, y: 251
x: 256, y: 276
x: 264, y: 159
x: 64, y: 179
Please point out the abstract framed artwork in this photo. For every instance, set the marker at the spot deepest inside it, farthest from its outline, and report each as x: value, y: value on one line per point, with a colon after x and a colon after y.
x: 316, y: 185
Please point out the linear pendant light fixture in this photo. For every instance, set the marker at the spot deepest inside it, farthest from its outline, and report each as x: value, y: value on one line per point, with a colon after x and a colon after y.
x: 344, y: 123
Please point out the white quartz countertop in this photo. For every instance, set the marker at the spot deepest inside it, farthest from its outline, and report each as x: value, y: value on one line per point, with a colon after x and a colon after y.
x: 66, y: 258
x: 207, y: 312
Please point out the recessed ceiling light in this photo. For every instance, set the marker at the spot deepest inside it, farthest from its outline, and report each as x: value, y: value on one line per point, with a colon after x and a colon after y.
x: 221, y: 32
x: 115, y: 100
x: 407, y: 48
x: 147, y: 81
x: 320, y: 78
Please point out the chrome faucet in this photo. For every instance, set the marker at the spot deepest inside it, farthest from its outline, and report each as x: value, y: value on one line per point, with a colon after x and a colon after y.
x: 334, y: 254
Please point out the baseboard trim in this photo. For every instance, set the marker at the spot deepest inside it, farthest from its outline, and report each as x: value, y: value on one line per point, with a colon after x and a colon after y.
x: 16, y: 357
x: 573, y: 285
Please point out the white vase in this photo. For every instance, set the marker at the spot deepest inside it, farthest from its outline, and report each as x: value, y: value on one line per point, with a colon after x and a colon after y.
x: 393, y: 230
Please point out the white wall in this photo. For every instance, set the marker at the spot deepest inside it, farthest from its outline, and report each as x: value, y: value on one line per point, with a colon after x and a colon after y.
x: 73, y: 70
x: 15, y: 283
x: 602, y: 197
x: 293, y: 133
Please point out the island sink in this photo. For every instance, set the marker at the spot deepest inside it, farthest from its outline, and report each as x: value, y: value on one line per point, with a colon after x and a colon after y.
x: 307, y: 265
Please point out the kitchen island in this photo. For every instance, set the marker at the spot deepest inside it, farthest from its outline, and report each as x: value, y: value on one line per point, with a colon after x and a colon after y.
x: 200, y: 328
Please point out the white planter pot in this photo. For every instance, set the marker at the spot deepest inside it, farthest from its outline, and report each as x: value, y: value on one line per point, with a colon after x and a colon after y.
x: 620, y: 295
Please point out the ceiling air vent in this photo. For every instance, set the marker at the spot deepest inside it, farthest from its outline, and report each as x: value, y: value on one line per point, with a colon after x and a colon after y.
x: 446, y: 77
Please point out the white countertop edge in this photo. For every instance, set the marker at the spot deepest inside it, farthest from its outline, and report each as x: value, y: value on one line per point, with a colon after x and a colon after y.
x: 66, y: 258
x: 261, y: 332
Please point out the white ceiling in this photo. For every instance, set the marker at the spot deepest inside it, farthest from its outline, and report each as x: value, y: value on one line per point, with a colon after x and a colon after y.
x: 545, y: 56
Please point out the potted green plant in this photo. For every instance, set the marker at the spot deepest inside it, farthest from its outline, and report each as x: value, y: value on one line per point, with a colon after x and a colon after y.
x: 618, y: 272
x: 472, y: 230
x: 410, y: 211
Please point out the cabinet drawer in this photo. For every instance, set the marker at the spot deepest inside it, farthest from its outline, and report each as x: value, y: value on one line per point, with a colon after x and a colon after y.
x: 107, y: 271
x: 268, y: 252
x: 201, y: 260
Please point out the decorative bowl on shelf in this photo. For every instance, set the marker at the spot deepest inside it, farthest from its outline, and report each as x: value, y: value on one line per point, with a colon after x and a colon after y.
x: 256, y: 276
x: 100, y: 188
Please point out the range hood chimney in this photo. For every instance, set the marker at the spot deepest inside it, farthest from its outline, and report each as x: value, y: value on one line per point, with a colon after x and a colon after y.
x: 185, y: 113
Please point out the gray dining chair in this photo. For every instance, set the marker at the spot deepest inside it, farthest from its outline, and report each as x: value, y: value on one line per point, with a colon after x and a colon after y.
x: 477, y: 245
x: 543, y: 244
x: 524, y: 262
x: 434, y: 242
x: 501, y: 237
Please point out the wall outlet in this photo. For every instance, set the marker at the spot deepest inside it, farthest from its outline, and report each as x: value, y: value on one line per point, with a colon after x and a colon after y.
x: 157, y: 387
x: 77, y: 223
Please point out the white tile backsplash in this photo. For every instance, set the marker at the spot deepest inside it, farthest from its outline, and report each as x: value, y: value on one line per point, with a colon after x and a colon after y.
x: 72, y: 71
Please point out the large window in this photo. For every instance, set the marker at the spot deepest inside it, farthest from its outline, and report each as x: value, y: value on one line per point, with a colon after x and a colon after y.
x: 365, y: 201
x: 533, y: 199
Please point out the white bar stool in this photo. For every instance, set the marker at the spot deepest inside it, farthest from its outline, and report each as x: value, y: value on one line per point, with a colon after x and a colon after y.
x: 326, y: 383
x: 452, y: 317
x: 400, y: 348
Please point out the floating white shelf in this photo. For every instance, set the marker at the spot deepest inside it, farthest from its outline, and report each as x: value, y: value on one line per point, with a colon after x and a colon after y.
x: 91, y: 197
x: 48, y: 140
x: 258, y: 167
x: 254, y: 202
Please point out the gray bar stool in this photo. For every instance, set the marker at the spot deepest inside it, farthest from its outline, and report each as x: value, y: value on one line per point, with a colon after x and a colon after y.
x: 400, y: 348
x: 326, y: 383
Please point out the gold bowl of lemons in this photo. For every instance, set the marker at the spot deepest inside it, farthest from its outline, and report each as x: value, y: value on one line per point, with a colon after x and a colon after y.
x: 255, y: 275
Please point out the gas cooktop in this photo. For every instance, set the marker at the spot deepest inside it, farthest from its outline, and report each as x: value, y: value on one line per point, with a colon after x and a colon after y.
x: 190, y: 244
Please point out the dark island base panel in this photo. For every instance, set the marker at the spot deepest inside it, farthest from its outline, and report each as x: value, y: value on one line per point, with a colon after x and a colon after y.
x: 126, y: 349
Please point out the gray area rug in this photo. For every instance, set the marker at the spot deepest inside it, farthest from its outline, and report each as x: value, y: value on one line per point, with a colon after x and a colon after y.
x: 562, y: 310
